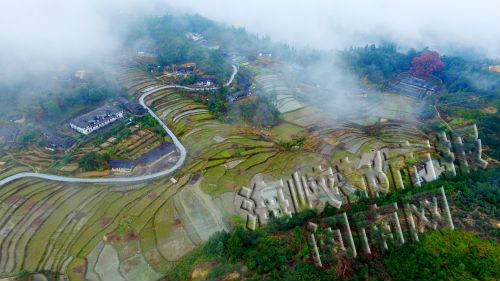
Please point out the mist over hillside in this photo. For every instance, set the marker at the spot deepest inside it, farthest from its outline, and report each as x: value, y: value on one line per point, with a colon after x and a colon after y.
x: 38, y: 35
x: 447, y: 26
x: 168, y: 140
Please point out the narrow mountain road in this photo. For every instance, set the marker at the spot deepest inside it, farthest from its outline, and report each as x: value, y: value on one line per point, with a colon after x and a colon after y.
x: 170, y: 170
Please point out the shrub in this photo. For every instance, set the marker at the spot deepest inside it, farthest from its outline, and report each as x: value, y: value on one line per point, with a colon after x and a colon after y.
x: 452, y: 255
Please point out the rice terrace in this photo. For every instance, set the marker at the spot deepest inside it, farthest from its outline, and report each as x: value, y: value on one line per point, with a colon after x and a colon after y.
x: 167, y: 146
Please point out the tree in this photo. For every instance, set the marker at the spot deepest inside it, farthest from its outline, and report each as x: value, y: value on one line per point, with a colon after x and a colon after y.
x: 426, y: 63
x: 93, y: 161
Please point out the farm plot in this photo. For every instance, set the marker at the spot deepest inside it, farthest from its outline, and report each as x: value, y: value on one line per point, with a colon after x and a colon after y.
x: 52, y: 226
x: 136, y: 144
x: 37, y: 158
x: 270, y: 84
x: 137, y: 231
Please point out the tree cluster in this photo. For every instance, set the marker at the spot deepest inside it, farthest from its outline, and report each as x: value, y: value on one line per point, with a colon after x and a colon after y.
x: 378, y: 63
x: 93, y: 161
x: 257, y: 110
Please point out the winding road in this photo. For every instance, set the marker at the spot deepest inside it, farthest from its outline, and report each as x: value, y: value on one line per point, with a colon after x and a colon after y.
x: 170, y: 170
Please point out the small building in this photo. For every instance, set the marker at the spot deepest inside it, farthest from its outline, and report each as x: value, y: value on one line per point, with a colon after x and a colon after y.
x: 145, y: 55
x: 264, y: 58
x: 81, y: 74
x: 194, y: 36
x: 206, y: 81
x: 265, y: 55
x: 156, y: 154
x: 236, y: 95
x: 184, y: 69
x: 96, y: 119
x: 58, y: 141
x: 123, y: 166
x: 495, y: 68
x: 135, y: 108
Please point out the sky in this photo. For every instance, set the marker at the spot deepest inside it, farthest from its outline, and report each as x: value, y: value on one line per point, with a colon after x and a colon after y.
x: 38, y: 34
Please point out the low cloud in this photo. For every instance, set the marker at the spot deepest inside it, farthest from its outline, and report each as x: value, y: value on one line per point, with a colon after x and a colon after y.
x: 448, y: 26
x: 46, y: 35
x: 41, y: 36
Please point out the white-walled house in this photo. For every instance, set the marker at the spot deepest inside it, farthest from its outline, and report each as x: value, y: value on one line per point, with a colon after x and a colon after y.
x: 96, y: 119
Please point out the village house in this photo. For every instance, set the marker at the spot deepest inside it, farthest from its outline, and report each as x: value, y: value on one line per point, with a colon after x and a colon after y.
x: 96, y: 119
x: 184, y: 69
x: 142, y: 54
x: 264, y: 58
x: 122, y: 166
x: 236, y: 95
x: 56, y: 141
x: 158, y: 153
x: 81, y: 74
x: 206, y: 81
x: 194, y: 36
x: 494, y: 68
x: 135, y: 108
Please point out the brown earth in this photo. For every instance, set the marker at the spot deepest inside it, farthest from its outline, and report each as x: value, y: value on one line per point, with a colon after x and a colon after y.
x: 490, y: 110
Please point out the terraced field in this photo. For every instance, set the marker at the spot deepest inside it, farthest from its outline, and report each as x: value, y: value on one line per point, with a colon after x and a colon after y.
x: 137, y: 231
x: 270, y: 83
x: 36, y: 158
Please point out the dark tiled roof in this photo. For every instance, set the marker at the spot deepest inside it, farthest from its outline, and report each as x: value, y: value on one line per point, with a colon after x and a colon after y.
x: 59, y: 141
x: 96, y: 116
x: 121, y: 164
x: 135, y: 108
x: 156, y: 153
x: 234, y: 96
x: 184, y: 69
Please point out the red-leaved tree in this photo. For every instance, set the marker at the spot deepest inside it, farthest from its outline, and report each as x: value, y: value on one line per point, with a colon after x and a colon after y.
x: 426, y: 63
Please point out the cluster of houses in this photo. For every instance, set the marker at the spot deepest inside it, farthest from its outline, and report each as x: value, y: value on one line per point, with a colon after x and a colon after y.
x: 190, y: 68
x: 148, y: 159
x: 103, y: 116
x: 409, y: 85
